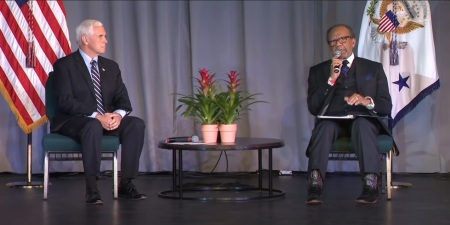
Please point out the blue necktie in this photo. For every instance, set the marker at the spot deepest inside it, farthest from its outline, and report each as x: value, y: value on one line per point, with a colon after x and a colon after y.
x: 97, y: 87
x: 345, y: 67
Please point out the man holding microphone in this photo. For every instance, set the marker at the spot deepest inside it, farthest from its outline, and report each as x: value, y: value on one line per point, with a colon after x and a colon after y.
x: 346, y: 85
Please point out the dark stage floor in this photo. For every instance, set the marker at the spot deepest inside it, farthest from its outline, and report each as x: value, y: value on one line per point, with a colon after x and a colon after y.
x: 426, y: 202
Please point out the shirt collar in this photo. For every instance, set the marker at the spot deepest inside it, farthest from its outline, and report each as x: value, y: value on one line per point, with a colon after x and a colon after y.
x: 350, y: 60
x: 87, y: 60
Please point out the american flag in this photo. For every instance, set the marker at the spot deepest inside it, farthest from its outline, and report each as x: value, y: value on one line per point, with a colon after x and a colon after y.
x: 388, y: 22
x: 33, y: 36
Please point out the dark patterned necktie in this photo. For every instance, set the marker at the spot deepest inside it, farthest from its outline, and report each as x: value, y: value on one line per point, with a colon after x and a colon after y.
x: 345, y: 67
x: 97, y: 87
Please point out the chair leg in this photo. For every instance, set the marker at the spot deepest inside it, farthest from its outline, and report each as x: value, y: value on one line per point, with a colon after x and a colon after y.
x: 45, y: 175
x: 389, y: 175
x: 383, y: 176
x: 116, y: 176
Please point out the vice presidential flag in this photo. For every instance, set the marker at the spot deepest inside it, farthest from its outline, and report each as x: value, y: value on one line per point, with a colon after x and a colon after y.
x: 33, y: 36
x: 400, y: 36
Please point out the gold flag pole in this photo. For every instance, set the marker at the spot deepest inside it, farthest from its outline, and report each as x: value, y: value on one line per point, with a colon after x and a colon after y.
x: 29, y: 183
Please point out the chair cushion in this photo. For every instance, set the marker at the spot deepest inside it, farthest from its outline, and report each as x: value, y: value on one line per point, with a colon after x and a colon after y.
x: 385, y: 144
x: 59, y: 143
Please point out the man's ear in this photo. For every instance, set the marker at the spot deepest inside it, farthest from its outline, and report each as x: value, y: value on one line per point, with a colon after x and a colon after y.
x: 84, y: 39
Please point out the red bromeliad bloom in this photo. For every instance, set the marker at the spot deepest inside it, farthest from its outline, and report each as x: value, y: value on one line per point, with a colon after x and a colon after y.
x: 209, y: 106
x: 201, y: 105
x: 233, y: 83
x: 206, y: 82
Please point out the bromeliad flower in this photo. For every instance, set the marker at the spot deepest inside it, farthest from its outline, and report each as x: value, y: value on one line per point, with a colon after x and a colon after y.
x: 206, y: 82
x: 233, y: 81
x: 202, y: 105
x: 233, y: 103
x: 209, y: 106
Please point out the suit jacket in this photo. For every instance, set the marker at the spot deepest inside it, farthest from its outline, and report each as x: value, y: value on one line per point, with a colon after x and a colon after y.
x: 74, y: 89
x: 370, y: 81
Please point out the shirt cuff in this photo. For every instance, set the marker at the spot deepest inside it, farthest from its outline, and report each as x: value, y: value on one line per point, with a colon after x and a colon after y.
x: 331, y: 81
x: 121, y: 112
x: 372, y: 104
x: 93, y: 115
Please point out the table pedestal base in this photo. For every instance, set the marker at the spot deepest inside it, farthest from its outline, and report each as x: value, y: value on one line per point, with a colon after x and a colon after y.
x: 236, y: 193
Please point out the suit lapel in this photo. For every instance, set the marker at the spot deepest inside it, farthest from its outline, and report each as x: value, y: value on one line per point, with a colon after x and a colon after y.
x: 330, y: 92
x: 85, y: 73
x: 360, y: 73
x: 103, y: 76
x: 101, y: 69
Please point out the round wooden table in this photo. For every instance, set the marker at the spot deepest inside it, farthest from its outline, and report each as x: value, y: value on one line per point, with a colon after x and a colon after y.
x: 241, y: 144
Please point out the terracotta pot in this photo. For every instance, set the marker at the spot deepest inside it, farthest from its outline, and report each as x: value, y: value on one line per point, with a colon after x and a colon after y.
x: 209, y: 133
x: 228, y: 132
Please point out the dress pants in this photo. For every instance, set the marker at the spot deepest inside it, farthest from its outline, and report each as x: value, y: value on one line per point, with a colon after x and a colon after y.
x: 363, y: 132
x: 89, y: 131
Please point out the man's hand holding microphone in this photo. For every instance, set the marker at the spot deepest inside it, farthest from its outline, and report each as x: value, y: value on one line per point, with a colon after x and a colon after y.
x: 335, y: 69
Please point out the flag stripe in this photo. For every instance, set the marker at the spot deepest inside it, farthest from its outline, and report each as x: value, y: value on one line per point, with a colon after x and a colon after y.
x: 40, y: 37
x: 11, y: 56
x: 19, y: 79
x: 23, y: 87
x: 55, y: 26
x: 8, y: 87
x: 387, y: 22
x: 41, y: 40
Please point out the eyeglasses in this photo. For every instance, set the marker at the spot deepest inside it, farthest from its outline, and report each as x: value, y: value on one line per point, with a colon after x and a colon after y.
x: 341, y: 40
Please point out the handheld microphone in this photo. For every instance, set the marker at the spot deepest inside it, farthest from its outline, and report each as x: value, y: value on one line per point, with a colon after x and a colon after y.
x: 337, y: 54
x: 183, y: 139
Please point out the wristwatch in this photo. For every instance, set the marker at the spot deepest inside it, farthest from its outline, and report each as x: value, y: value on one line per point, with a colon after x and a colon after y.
x: 371, y: 105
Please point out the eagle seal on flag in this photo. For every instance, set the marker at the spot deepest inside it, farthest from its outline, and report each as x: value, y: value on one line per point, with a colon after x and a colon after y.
x: 399, y: 35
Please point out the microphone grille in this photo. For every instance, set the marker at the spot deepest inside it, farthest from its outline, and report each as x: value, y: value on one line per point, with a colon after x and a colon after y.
x: 337, y: 53
x: 195, y: 139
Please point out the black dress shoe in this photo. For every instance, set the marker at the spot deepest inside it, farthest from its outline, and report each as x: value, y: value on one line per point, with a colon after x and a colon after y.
x: 315, y: 184
x: 370, y: 191
x: 93, y: 196
x: 128, y: 190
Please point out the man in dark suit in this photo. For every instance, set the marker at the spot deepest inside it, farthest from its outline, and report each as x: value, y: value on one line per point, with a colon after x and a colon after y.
x: 345, y: 85
x: 92, y: 101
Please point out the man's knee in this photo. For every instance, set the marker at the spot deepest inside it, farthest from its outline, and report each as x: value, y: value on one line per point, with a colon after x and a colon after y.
x: 93, y: 126
x: 136, y: 123
x: 325, y: 126
x: 362, y: 123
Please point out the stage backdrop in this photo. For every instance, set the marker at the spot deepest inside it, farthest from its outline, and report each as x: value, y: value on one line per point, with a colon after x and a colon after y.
x: 160, y: 46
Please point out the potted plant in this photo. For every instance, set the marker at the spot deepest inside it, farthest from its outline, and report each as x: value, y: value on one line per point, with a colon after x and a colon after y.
x: 233, y: 104
x: 202, y: 106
